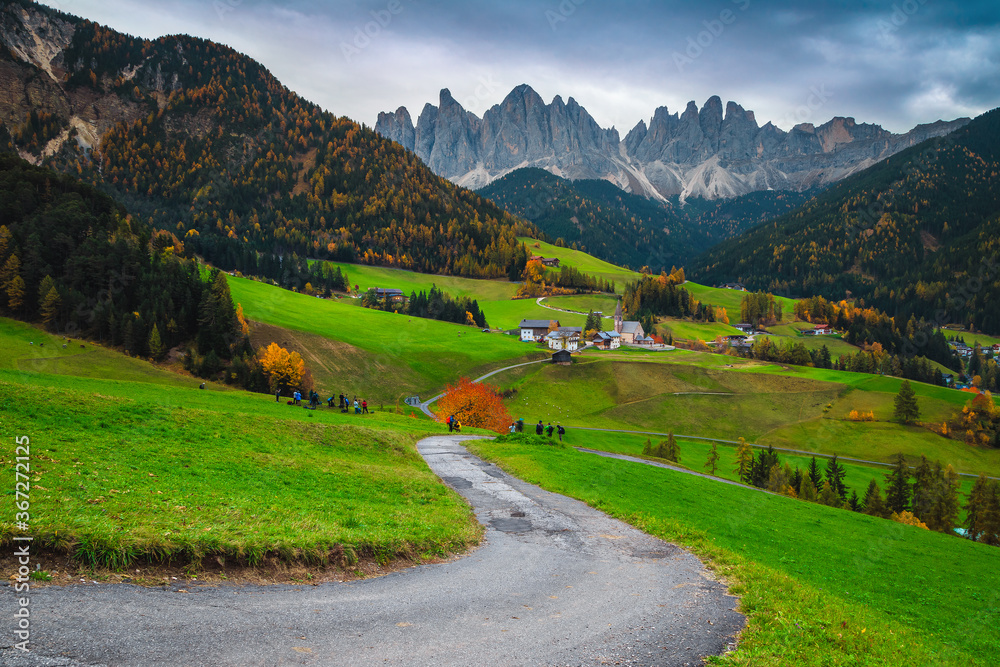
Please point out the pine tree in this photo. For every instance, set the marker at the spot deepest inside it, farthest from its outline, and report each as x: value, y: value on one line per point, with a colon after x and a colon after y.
x: 777, y: 479
x: 155, y: 345
x: 897, y: 495
x: 835, y: 474
x: 50, y: 307
x: 15, y: 294
x: 807, y: 490
x: 713, y: 460
x: 814, y: 475
x: 853, y: 501
x: 828, y: 496
x: 906, y: 411
x: 873, y: 504
x: 923, y: 490
x: 944, y: 511
x: 982, y: 511
x: 744, y: 461
x: 673, y: 450
x: 647, y: 449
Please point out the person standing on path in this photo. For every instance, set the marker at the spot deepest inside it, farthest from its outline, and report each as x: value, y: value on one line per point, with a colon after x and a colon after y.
x: 357, y: 406
x: 364, y: 407
x: 549, y: 430
x: 539, y: 427
x: 560, y: 430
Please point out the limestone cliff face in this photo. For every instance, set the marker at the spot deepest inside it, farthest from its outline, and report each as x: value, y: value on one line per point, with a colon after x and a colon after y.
x: 712, y: 152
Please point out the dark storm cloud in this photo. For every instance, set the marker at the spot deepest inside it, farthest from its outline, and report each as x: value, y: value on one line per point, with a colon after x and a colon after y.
x: 896, y: 63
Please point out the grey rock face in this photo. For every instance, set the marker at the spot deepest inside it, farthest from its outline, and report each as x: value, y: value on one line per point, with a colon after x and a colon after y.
x: 712, y: 152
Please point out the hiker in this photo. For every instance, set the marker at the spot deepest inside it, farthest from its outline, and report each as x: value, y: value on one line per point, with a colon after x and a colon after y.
x: 549, y: 430
x: 458, y: 426
x: 364, y: 407
x: 539, y: 427
x: 451, y: 423
x: 513, y: 427
x: 560, y: 430
x: 201, y: 386
x: 277, y: 396
x: 329, y: 402
x: 313, y: 398
x: 357, y: 407
x: 298, y: 397
x: 520, y: 424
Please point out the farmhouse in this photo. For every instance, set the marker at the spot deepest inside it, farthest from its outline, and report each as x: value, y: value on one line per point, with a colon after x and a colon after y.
x: 744, y: 327
x: 550, y: 262
x: 735, y: 286
x: 391, y: 294
x: 607, y: 340
x: 536, y: 330
x: 819, y: 331
x: 564, y: 338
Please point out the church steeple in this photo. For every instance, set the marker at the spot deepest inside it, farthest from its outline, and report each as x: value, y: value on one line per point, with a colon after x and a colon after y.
x: 618, y: 317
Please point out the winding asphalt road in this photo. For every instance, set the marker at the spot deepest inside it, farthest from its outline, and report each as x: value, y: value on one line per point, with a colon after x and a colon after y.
x: 555, y: 583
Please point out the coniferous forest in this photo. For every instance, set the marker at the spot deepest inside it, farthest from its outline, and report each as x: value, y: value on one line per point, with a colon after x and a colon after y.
x: 914, y: 235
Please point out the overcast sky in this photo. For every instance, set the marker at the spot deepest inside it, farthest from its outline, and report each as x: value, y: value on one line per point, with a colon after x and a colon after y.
x: 892, y: 62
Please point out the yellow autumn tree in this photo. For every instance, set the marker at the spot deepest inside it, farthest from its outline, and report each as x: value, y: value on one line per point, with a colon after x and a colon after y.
x: 284, y: 370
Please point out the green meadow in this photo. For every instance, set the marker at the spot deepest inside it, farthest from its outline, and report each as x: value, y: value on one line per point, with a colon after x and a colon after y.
x: 396, y: 354
x: 791, y: 407
x: 820, y: 586
x: 582, y: 261
x: 131, y: 463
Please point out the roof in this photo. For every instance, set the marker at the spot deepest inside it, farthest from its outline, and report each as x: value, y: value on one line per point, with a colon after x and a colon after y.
x: 562, y: 353
x: 564, y: 334
x: 536, y: 324
x: 572, y: 329
x: 607, y: 335
x: 630, y: 327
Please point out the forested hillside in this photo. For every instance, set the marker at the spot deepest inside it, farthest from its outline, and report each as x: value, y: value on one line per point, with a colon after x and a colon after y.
x: 917, y: 234
x: 600, y: 218
x: 203, y: 141
x: 72, y: 258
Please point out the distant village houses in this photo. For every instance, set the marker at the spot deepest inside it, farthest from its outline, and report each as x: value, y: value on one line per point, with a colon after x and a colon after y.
x: 550, y: 262
x: 536, y: 330
x: 564, y: 338
x: 736, y: 286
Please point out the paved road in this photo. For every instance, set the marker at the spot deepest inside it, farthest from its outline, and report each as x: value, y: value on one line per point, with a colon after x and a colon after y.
x: 539, y: 300
x: 801, y: 452
x: 555, y: 583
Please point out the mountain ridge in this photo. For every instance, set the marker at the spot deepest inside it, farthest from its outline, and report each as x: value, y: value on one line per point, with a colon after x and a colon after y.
x: 713, y: 152
x: 198, y: 139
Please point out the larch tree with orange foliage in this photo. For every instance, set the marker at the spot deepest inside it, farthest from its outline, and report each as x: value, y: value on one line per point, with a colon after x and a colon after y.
x: 474, y: 404
x: 284, y: 370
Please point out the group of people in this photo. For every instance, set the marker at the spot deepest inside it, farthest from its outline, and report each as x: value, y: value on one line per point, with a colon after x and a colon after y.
x: 454, y: 424
x: 343, y: 402
x: 518, y: 427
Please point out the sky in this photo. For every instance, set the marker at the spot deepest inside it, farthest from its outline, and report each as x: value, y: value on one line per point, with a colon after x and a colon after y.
x: 896, y: 63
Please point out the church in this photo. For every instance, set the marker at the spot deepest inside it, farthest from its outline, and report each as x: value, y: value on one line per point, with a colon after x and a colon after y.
x: 631, y: 332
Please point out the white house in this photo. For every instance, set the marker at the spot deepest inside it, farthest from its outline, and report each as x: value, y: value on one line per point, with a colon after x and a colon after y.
x: 535, y: 330
x: 563, y: 340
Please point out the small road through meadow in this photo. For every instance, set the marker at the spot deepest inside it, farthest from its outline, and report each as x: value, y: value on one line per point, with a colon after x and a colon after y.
x: 555, y: 582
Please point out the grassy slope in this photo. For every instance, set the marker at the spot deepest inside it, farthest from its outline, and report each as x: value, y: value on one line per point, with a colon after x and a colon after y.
x: 134, y: 461
x: 764, y: 403
x: 428, y: 353
x: 820, y: 586
x: 583, y: 262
